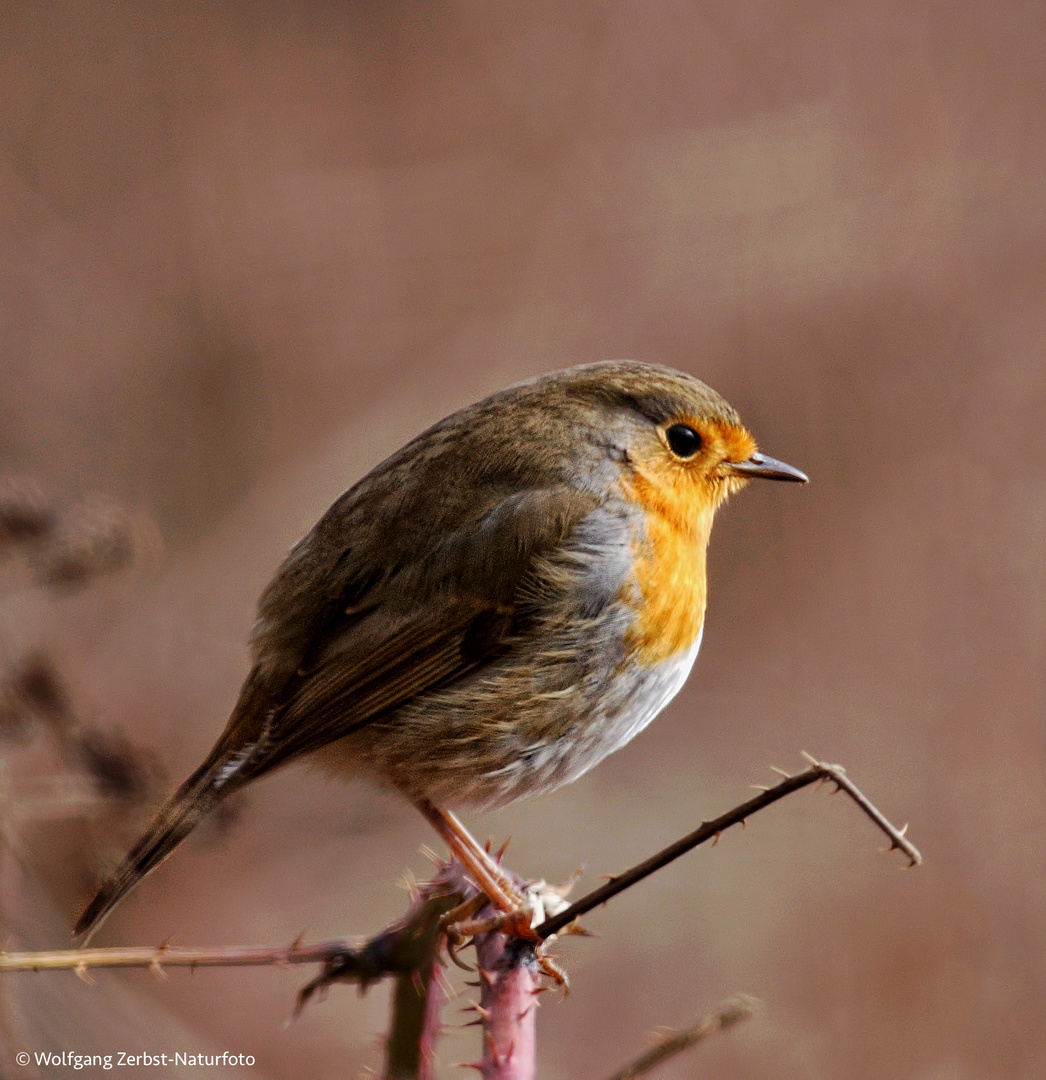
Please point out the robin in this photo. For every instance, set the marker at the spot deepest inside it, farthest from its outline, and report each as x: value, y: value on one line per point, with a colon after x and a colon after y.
x: 510, y: 597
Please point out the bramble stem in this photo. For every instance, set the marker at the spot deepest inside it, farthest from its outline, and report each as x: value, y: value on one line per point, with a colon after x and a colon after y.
x: 508, y: 1002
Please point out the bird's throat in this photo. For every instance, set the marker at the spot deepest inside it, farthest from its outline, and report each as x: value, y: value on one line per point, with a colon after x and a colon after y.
x: 669, y: 589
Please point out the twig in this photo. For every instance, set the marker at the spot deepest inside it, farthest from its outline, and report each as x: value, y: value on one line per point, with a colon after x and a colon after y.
x: 708, y: 830
x: 726, y: 1016
x: 164, y: 956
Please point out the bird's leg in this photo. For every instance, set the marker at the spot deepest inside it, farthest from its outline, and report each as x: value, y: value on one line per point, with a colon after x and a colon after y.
x: 491, y: 879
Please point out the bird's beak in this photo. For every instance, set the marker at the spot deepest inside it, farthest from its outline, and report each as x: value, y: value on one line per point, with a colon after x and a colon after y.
x: 759, y: 465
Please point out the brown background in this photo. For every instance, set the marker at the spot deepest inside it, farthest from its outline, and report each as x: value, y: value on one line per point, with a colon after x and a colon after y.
x: 247, y: 249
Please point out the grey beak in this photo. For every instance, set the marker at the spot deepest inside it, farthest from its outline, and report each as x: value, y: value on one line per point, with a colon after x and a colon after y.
x: 759, y: 465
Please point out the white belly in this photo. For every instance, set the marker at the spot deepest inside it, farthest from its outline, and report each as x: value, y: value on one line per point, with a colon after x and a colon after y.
x: 651, y: 691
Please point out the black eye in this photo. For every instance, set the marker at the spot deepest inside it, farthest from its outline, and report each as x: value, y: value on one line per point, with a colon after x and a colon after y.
x: 684, y: 441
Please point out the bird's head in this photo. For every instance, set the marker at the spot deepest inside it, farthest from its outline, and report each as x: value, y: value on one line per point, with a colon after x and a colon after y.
x: 680, y: 446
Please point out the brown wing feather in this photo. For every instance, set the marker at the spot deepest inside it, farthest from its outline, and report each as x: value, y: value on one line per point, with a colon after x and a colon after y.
x: 340, y: 697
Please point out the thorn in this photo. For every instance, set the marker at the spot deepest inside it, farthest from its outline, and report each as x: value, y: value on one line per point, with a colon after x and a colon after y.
x: 744, y: 823
x: 487, y: 976
x: 903, y: 830
x: 715, y: 841
x: 564, y: 890
x: 501, y: 850
x: 810, y: 758
x: 431, y: 856
x: 296, y: 943
x: 469, y: 983
x: 417, y: 982
x: 157, y: 970
x: 83, y: 974
x: 443, y: 983
x: 409, y: 884
x: 477, y: 1065
x: 489, y: 844
x: 781, y: 772
x: 167, y: 940
x: 759, y: 787
x: 485, y: 1014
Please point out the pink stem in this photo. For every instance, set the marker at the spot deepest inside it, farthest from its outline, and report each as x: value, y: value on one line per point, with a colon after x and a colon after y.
x: 508, y: 1003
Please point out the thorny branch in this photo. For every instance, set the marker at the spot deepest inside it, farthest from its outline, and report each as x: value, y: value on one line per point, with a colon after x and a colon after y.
x: 159, y: 957
x: 818, y: 771
x: 508, y: 980
x: 394, y: 951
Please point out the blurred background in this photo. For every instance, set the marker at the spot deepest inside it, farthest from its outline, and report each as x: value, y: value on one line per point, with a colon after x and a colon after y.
x: 248, y: 249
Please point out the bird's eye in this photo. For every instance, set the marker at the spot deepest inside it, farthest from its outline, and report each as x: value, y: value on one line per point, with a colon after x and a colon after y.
x: 684, y: 441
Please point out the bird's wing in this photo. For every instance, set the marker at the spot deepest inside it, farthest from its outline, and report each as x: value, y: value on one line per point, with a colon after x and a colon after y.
x: 434, y: 620
x: 376, y: 640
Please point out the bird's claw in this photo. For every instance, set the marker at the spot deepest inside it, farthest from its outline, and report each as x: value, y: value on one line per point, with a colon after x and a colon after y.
x: 550, y: 967
x: 518, y: 924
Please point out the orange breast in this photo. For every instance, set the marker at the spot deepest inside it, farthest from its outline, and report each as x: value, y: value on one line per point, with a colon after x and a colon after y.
x: 669, y: 567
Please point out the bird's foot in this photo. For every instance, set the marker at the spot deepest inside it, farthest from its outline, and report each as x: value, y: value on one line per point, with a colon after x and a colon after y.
x: 539, y: 901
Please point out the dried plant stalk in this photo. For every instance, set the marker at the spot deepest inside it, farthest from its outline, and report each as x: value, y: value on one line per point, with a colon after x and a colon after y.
x: 726, y: 1016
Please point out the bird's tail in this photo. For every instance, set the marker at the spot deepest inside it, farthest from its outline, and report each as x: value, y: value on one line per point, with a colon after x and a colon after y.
x: 242, y: 753
x: 185, y: 809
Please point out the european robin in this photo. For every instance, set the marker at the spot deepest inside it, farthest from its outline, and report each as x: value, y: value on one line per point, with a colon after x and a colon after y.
x: 510, y: 597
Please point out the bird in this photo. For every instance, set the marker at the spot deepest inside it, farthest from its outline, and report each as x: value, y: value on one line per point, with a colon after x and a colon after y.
x: 510, y: 597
